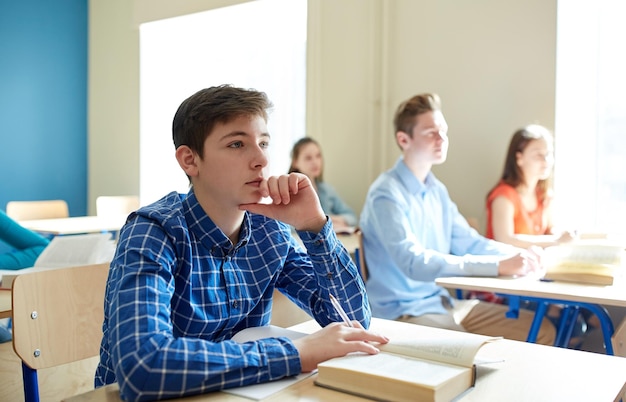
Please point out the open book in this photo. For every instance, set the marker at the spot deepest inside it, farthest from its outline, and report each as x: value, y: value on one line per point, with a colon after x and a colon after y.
x: 429, y: 368
x: 67, y: 251
x: 590, y: 263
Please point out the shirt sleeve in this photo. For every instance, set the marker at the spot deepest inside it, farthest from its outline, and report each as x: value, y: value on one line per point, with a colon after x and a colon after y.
x: 334, y: 205
x: 422, y: 248
x: 326, y: 269
x: 150, y: 361
x: 26, y: 243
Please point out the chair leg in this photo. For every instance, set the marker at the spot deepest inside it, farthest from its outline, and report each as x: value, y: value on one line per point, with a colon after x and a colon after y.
x: 31, y: 386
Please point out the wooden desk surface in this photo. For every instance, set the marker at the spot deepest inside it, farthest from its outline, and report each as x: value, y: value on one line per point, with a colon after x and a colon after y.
x: 349, y: 241
x: 609, y: 295
x: 75, y: 225
x: 529, y: 372
x: 5, y: 303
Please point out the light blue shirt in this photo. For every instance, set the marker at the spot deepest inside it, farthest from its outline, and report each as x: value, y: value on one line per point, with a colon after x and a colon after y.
x: 412, y: 234
x: 332, y: 204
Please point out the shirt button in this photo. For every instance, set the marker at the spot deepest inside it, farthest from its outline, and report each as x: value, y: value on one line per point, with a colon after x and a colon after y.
x: 235, y: 304
x: 329, y: 276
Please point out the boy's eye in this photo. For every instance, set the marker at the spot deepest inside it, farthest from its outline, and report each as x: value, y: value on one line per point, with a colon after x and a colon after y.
x: 236, y: 144
x: 264, y: 144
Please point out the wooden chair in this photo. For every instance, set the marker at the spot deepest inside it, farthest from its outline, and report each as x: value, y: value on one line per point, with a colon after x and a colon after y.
x: 46, y: 209
x: 115, y: 205
x: 359, y: 253
x: 57, y: 319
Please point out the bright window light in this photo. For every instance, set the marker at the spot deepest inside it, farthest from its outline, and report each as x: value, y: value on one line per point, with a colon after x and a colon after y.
x: 590, y: 129
x: 259, y: 44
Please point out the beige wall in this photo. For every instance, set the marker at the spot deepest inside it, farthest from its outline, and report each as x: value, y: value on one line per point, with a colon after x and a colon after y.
x: 492, y: 62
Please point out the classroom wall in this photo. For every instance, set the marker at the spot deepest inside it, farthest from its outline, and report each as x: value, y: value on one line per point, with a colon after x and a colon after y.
x: 492, y: 62
x: 43, y: 101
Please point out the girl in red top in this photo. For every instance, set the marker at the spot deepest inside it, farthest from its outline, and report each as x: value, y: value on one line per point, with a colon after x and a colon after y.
x: 518, y: 207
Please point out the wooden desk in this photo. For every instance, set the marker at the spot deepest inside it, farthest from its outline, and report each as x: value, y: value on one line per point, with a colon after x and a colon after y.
x: 5, y: 303
x: 75, y: 225
x: 349, y: 241
x: 529, y: 372
x: 555, y: 292
x: 610, y: 295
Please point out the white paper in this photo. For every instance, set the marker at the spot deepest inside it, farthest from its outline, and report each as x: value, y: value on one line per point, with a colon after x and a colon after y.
x: 261, y: 391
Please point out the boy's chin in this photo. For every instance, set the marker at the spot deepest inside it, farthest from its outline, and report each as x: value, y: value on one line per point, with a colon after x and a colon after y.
x: 258, y: 200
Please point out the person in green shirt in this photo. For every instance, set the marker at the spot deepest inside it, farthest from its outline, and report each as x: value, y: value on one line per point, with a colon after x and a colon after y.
x: 26, y: 244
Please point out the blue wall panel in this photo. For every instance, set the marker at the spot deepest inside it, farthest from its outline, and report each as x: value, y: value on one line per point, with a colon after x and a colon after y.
x: 43, y: 101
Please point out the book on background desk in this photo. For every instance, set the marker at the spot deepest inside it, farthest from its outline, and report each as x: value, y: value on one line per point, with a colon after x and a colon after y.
x: 588, y: 263
x: 429, y: 368
x: 261, y: 391
x: 67, y: 251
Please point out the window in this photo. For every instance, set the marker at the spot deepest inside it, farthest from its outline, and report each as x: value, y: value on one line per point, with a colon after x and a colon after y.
x: 248, y: 45
x: 590, y: 129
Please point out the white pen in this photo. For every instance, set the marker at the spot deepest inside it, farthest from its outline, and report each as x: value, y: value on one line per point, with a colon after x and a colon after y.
x: 340, y: 310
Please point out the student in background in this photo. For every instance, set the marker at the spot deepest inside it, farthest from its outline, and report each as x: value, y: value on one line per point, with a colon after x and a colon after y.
x: 26, y: 244
x: 26, y: 247
x: 306, y: 158
x: 192, y: 270
x: 413, y: 233
x: 519, y: 206
x: 519, y: 210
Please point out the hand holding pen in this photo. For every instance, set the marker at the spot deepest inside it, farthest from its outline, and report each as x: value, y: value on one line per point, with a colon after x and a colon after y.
x: 336, y: 340
x: 340, y: 311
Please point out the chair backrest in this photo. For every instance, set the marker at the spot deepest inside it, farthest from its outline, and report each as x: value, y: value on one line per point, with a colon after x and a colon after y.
x: 46, y: 209
x: 360, y: 255
x: 57, y: 318
x: 116, y: 205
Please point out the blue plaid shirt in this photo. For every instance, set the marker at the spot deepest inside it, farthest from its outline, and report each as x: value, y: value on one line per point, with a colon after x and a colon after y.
x: 178, y: 290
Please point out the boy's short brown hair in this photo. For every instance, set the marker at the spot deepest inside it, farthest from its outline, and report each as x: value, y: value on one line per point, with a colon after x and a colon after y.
x: 197, y: 115
x: 407, y: 112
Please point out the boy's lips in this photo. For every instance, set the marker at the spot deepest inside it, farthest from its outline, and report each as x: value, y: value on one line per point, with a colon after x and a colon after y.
x: 256, y: 182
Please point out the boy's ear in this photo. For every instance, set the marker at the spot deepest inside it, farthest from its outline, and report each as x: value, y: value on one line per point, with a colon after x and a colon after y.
x: 186, y: 158
x: 402, y: 139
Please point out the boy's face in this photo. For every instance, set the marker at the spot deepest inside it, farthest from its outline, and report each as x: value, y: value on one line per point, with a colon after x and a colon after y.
x: 235, y: 161
x: 430, y: 138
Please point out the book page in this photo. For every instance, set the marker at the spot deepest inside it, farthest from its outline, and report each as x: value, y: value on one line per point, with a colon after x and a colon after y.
x: 458, y: 350
x: 74, y: 250
x: 398, y: 368
x: 261, y: 391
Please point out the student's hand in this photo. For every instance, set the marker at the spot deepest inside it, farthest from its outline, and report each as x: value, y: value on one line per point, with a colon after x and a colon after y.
x: 521, y: 264
x: 335, y: 340
x: 294, y: 201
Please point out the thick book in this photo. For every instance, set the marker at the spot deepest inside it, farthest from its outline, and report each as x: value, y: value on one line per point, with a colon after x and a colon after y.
x: 67, y: 251
x: 428, y: 368
x: 587, y: 263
